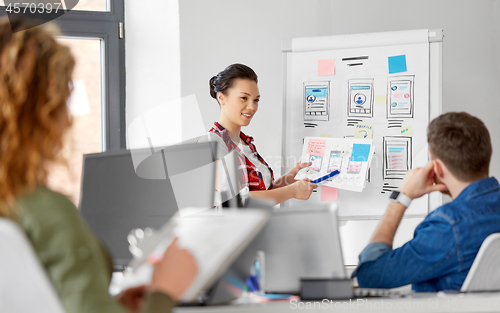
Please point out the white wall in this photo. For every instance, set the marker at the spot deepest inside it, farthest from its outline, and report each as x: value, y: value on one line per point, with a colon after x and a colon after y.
x: 152, y: 55
x: 216, y: 33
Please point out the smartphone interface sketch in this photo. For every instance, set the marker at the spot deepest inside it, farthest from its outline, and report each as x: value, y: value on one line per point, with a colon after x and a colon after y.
x: 317, y: 101
x: 335, y: 163
x: 397, y: 157
x: 354, y: 167
x: 400, y: 99
x: 360, y: 98
x: 316, y: 162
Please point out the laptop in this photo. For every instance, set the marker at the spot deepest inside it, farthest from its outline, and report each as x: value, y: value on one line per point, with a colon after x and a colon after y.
x: 300, y: 242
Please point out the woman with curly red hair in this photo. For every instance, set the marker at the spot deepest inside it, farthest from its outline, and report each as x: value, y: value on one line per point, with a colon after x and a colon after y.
x: 35, y: 84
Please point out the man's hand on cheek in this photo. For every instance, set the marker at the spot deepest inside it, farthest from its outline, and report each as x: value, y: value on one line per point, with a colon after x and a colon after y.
x: 420, y: 181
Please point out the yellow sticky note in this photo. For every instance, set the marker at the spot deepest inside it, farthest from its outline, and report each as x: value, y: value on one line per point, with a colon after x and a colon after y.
x: 380, y: 99
x: 325, y: 135
x: 406, y: 131
x: 363, y: 131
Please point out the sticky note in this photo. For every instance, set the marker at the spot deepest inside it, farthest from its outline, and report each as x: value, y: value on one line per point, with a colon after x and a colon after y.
x: 397, y: 64
x: 380, y: 99
x: 360, y: 152
x: 406, y: 131
x: 326, y: 67
x: 316, y: 147
x: 325, y: 135
x: 329, y: 193
x: 363, y: 131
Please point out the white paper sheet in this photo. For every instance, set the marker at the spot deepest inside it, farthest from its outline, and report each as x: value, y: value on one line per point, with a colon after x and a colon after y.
x: 351, y: 156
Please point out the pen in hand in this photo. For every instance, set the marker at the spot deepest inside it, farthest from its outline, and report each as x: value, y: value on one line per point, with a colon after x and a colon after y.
x: 325, y: 177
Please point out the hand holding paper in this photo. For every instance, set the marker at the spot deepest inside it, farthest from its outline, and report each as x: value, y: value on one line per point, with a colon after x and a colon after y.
x: 302, y: 189
x: 175, y: 272
x: 300, y: 165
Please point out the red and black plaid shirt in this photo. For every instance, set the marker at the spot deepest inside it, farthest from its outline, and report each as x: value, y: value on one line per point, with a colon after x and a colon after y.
x: 250, y: 175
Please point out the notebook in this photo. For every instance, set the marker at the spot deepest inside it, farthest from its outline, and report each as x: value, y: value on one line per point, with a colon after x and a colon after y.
x: 216, y: 240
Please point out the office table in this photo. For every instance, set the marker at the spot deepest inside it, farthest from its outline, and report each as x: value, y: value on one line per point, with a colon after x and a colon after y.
x: 420, y: 302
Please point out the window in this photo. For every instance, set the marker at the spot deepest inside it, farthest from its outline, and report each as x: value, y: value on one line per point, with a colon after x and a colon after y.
x: 92, y: 5
x: 94, y: 32
x: 83, y: 5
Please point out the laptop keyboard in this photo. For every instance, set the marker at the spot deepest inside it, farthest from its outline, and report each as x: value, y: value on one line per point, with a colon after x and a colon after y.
x: 376, y: 292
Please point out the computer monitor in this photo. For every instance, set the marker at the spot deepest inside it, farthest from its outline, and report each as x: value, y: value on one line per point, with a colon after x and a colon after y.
x: 300, y: 242
x: 119, y: 194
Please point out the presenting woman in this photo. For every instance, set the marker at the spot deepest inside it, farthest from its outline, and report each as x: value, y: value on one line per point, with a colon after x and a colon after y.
x: 35, y: 83
x: 237, y: 93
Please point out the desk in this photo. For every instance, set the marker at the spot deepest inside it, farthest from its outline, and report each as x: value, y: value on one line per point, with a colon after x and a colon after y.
x: 421, y: 302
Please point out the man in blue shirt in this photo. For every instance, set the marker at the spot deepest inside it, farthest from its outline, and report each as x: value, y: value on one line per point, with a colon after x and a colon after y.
x: 445, y: 244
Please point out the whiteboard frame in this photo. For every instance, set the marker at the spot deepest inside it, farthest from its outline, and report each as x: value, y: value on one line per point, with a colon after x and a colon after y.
x: 435, y: 109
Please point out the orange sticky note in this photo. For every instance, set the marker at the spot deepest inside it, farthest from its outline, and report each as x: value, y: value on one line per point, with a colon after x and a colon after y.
x: 329, y: 193
x: 326, y: 67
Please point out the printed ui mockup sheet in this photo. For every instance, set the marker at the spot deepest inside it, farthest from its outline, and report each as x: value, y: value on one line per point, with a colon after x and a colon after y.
x: 350, y: 156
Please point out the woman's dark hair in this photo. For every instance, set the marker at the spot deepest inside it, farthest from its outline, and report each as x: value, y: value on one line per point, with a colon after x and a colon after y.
x: 225, y: 79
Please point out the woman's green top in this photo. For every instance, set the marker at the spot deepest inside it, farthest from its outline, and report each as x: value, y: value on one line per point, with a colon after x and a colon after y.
x: 76, y: 262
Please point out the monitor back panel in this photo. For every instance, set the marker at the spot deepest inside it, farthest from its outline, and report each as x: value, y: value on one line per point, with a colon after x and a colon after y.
x: 300, y: 243
x: 115, y: 200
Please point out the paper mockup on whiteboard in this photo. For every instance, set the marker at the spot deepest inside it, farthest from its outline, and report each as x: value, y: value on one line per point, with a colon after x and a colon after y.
x: 351, y: 156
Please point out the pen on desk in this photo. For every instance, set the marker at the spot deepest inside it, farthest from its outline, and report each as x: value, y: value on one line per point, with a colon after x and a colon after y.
x: 325, y: 177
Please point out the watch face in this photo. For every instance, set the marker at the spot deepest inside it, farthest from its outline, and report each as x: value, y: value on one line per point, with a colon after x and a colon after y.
x: 394, y: 195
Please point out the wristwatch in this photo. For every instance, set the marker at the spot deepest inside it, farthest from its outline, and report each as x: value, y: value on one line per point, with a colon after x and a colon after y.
x: 399, y: 196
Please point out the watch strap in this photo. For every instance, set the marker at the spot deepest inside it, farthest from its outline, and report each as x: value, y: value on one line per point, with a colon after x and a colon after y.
x: 399, y: 196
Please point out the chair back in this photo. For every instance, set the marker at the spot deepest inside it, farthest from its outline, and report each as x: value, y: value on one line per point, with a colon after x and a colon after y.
x: 484, y: 275
x: 24, y: 285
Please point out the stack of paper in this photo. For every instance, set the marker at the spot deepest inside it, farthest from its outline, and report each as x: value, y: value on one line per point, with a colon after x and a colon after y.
x: 351, y: 156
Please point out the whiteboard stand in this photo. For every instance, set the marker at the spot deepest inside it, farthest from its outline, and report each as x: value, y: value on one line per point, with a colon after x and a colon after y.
x: 436, y: 95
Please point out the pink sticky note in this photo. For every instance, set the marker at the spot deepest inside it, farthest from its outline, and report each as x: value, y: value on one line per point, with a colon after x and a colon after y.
x: 326, y: 67
x: 329, y: 193
x: 316, y: 147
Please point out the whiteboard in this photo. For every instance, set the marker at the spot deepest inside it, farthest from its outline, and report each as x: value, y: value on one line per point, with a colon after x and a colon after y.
x: 360, y: 92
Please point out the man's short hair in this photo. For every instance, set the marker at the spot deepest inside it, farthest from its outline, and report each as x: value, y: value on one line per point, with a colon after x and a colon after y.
x: 463, y: 143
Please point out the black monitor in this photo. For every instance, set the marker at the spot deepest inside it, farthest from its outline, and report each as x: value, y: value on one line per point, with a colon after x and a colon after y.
x: 128, y: 189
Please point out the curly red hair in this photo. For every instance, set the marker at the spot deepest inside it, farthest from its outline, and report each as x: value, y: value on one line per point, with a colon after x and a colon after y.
x: 35, y: 84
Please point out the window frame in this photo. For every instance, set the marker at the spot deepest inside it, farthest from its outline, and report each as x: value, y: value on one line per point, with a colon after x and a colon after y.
x: 105, y: 25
